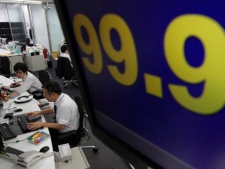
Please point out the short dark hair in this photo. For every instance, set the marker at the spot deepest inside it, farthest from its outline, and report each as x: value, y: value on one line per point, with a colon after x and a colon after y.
x: 52, y: 87
x: 20, y: 66
x: 64, y: 48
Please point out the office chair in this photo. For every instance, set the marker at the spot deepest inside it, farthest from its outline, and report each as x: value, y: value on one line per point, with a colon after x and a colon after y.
x: 75, y: 136
x: 44, y: 76
x: 5, y: 66
x: 83, y: 130
x: 59, y: 68
x: 66, y: 71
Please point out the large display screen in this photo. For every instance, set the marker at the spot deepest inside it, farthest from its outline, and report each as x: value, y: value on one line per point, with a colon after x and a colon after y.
x: 154, y: 73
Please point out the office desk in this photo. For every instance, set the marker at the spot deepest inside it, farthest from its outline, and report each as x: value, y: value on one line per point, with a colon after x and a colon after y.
x: 15, y: 58
x: 35, y: 63
x: 47, y: 162
x: 7, y: 81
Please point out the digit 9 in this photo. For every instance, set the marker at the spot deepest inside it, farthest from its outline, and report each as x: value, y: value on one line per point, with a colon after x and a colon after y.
x: 93, y: 47
x: 212, y: 71
x: 126, y: 54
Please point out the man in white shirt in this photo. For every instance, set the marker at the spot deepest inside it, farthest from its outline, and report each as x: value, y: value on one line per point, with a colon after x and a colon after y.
x: 66, y: 111
x: 65, y: 53
x: 29, y: 82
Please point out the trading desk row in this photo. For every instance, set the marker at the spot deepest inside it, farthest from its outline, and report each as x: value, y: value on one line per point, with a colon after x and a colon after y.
x: 21, y: 142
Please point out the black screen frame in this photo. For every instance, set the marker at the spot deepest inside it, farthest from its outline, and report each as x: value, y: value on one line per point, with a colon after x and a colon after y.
x: 132, y: 156
x: 1, y: 143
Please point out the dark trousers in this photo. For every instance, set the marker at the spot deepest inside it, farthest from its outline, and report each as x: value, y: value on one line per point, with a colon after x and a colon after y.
x: 63, y: 138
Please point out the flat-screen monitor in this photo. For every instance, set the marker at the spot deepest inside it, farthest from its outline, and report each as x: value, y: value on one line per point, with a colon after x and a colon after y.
x: 1, y: 143
x: 151, y: 75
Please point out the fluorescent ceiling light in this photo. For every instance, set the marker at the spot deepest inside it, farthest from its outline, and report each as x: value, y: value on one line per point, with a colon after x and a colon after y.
x: 21, y: 1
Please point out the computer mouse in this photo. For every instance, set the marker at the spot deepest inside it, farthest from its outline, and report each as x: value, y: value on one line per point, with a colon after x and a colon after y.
x: 8, y: 115
x: 44, y: 149
x: 18, y: 110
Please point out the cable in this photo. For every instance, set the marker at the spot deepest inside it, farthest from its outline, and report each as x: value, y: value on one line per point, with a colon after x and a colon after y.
x: 56, y: 156
x: 17, y: 141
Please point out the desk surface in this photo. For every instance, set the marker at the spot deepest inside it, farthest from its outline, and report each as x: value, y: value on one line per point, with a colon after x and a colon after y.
x: 7, y: 81
x: 47, y: 162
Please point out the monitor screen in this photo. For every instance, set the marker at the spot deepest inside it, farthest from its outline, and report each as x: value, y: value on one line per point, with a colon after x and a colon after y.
x: 151, y: 76
x: 1, y: 143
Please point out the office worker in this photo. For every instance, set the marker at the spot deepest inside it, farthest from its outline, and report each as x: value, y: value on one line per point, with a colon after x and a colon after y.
x: 29, y: 82
x: 65, y: 109
x: 65, y: 53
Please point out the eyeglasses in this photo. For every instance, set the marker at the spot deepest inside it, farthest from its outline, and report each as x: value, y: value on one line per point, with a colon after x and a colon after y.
x: 19, y: 72
x: 47, y: 93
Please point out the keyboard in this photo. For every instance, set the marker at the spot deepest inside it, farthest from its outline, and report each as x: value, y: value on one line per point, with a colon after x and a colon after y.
x: 13, y: 151
x: 9, y: 150
x: 23, y: 123
x: 6, y: 132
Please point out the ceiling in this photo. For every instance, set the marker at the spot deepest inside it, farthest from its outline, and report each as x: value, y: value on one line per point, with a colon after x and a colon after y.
x: 26, y: 1
x: 44, y: 0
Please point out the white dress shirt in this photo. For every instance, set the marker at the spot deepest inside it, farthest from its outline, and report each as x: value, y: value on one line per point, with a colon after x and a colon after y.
x: 67, y: 113
x: 30, y: 83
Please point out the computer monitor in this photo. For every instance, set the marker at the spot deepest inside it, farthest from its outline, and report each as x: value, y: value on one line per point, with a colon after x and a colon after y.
x: 151, y: 75
x: 1, y: 143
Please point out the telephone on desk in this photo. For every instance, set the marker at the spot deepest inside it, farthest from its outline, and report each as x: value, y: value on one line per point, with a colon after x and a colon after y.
x: 28, y: 158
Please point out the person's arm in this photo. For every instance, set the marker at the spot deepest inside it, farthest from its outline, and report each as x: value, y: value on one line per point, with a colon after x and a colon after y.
x: 5, y: 87
x: 27, y: 83
x: 42, y: 112
x: 37, y: 125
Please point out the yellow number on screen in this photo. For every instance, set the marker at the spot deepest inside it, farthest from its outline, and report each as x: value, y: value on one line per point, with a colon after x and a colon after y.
x: 91, y: 48
x: 127, y: 53
x: 212, y: 70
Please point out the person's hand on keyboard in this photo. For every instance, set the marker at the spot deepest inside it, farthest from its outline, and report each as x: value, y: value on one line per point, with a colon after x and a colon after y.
x: 31, y: 114
x: 35, y: 125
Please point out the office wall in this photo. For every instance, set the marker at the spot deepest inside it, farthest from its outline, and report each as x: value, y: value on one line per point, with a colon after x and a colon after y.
x: 39, y: 15
x: 3, y: 13
x: 15, y: 12
x: 55, y: 30
x: 40, y: 25
x: 26, y: 19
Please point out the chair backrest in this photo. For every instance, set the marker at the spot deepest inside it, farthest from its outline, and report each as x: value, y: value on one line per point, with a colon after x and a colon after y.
x: 79, y: 102
x: 64, y: 68
x: 44, y: 76
x: 59, y: 67
x: 5, y: 66
x: 28, y: 41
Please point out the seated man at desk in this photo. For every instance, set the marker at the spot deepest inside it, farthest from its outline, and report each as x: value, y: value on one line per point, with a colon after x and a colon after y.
x: 65, y: 53
x: 65, y: 109
x: 29, y: 82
